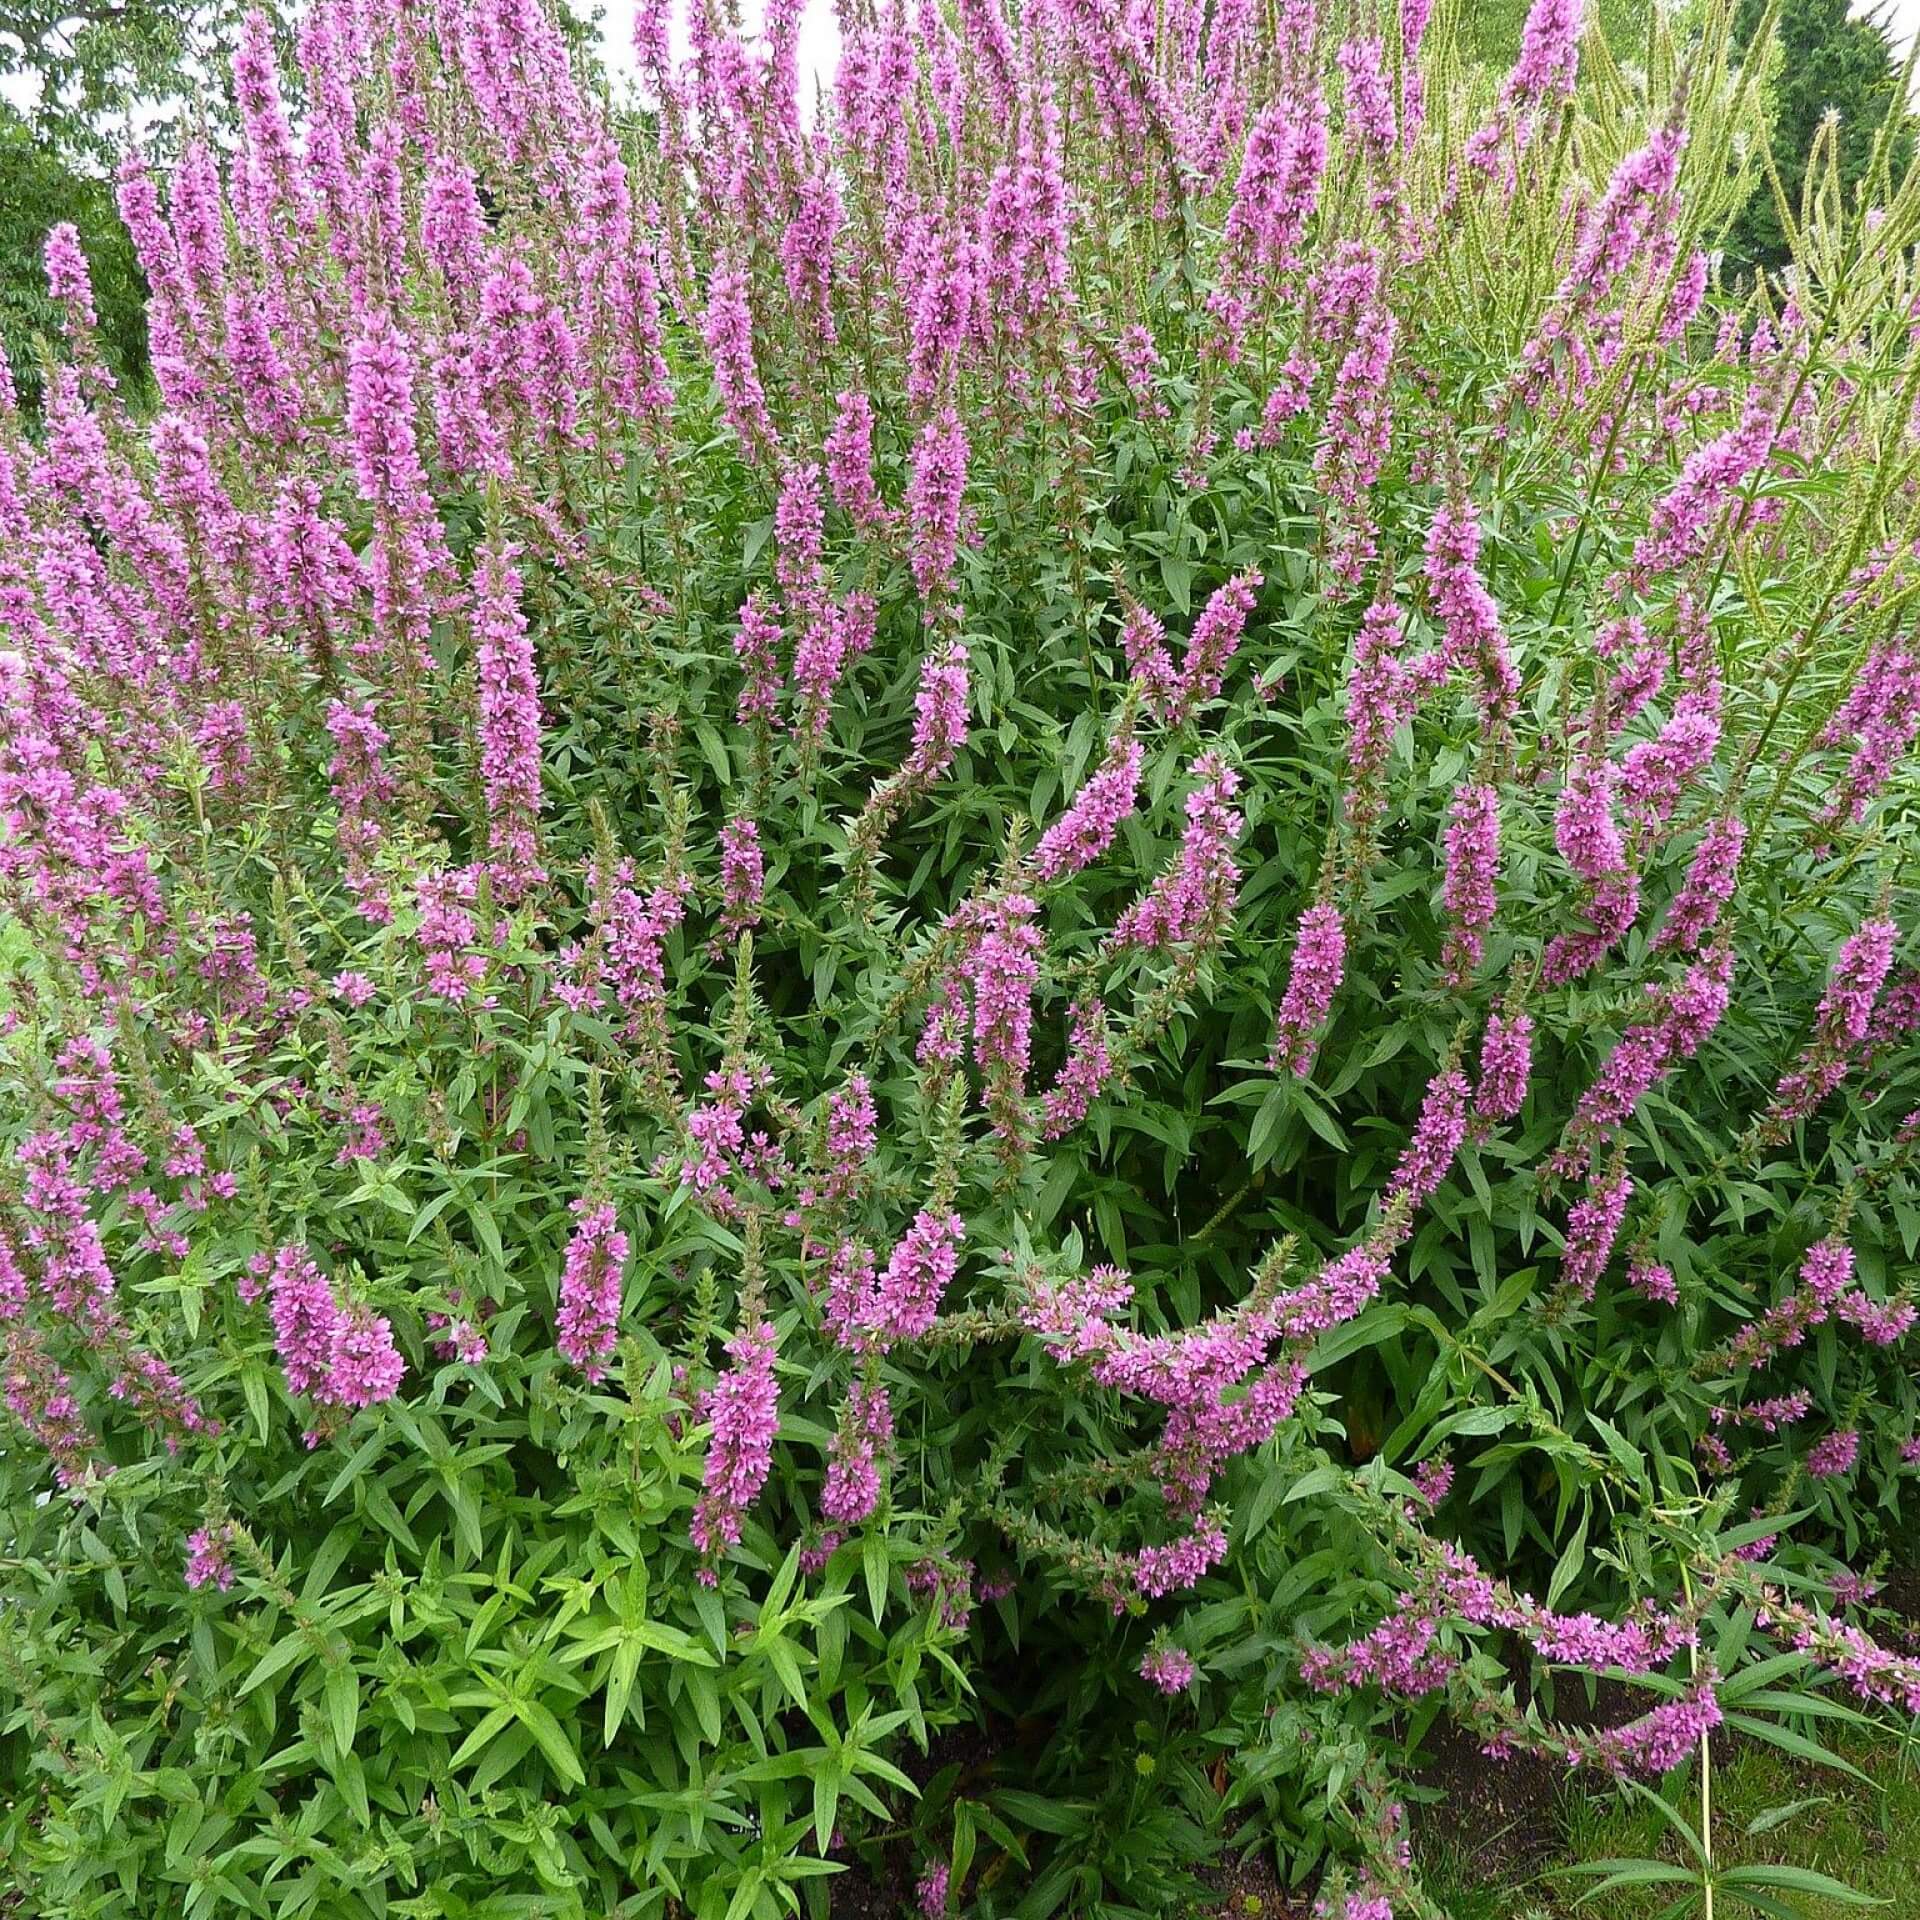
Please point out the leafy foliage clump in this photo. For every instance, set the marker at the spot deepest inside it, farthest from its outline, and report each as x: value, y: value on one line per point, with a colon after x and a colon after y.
x: 929, y: 986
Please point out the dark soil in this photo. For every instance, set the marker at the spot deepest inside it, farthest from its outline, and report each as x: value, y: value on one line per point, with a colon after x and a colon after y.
x: 1505, y: 1813
x: 1248, y: 1890
x: 1502, y: 1813
x: 885, y: 1890
x: 1900, y: 1594
x: 857, y: 1895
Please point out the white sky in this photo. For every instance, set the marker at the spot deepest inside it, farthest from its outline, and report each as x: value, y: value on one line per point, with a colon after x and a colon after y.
x: 1903, y: 16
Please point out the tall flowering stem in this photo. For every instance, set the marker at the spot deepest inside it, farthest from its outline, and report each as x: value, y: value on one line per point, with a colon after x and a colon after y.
x: 1860, y: 970
x: 1473, y: 866
x: 1087, y: 828
x: 742, y: 1408
x: 509, y: 702
x: 1471, y: 633
x: 1319, y: 965
x: 1506, y: 1065
x: 1004, y: 967
x: 589, y: 1319
x: 1191, y: 902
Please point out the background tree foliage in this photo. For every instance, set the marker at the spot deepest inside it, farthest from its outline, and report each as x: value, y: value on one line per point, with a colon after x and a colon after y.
x: 39, y: 188
x: 104, y: 72
x: 1829, y: 62
x: 98, y: 78
x: 1492, y: 30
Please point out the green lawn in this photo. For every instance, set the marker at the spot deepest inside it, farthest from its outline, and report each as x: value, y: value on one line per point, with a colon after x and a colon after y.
x: 1768, y: 1809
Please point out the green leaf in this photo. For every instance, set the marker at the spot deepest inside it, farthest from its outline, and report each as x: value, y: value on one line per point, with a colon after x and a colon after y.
x: 1322, y: 1122
x: 253, y: 1385
x: 705, y: 1696
x: 1631, y: 1873
x: 1321, y: 1479
x: 466, y: 1515
x: 626, y: 1663
x: 293, y: 1648
x: 1773, y: 1879
x: 826, y: 1805
x: 781, y: 1657
x: 1379, y: 1322
x: 351, y: 1778
x: 552, y: 1740
x: 962, y: 1854
x: 1479, y: 1421
x: 482, y: 1735
x: 782, y: 1584
x: 1266, y: 1123
x: 343, y: 1704
x: 1771, y: 1817
x: 1044, y: 1814
x: 487, y: 1231
x: 1788, y: 1741
x: 379, y: 1503
x: 1572, y: 1559
x: 658, y: 1637
x: 1625, y: 1454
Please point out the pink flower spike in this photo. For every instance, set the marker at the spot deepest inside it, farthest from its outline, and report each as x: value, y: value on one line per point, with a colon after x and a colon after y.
x: 1829, y: 1458
x: 590, y: 1289
x: 364, y: 1366
x: 1086, y: 830
x: 1506, y: 1065
x: 1319, y: 965
x: 1473, y: 867
x: 743, y: 1409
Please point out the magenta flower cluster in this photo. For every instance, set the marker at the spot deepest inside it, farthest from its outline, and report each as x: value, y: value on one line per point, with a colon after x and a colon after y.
x: 340, y: 1356
x: 1191, y: 900
x: 589, y: 1318
x: 1170, y: 1670
x: 742, y: 1408
x: 1319, y: 965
